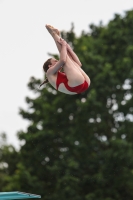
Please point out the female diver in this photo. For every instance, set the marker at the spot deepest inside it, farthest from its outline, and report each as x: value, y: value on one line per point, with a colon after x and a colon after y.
x: 73, y: 80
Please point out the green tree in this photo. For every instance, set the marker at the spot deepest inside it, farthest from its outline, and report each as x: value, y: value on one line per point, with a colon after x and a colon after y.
x: 9, y: 159
x: 80, y: 147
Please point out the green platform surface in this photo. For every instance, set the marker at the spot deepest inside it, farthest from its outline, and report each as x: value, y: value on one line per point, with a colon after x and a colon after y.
x: 17, y: 195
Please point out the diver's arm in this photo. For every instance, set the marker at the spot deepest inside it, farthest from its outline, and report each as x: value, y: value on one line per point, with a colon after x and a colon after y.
x: 63, y: 54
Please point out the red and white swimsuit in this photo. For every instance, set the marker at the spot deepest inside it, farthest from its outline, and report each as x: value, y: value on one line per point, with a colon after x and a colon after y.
x: 61, y: 78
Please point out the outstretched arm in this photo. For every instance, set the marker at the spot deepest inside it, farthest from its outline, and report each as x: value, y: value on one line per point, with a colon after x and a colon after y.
x: 73, y: 55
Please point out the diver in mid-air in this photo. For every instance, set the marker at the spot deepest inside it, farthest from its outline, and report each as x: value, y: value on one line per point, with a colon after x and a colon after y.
x: 73, y: 80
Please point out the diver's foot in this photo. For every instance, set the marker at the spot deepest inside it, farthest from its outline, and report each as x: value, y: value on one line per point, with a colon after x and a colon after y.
x: 52, y: 30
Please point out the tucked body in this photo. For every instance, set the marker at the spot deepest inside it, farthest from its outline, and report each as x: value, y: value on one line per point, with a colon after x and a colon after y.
x: 73, y: 79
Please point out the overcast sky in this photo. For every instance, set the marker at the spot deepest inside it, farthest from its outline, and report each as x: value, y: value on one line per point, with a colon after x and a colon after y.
x: 24, y: 44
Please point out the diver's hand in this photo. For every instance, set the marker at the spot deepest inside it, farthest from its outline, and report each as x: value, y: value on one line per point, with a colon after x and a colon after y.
x: 62, y: 42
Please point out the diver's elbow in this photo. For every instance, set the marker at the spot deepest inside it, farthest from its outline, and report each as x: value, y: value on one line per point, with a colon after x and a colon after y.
x: 63, y: 61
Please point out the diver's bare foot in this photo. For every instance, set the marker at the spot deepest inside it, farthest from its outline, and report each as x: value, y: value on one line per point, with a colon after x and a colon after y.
x: 52, y: 30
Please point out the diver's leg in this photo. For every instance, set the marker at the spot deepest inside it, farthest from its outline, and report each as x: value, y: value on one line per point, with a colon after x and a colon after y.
x: 55, y: 34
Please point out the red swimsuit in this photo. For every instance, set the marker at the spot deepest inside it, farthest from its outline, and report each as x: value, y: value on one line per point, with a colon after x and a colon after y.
x: 61, y: 78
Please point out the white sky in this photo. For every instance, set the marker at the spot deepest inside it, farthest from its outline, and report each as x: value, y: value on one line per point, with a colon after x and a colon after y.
x: 24, y: 44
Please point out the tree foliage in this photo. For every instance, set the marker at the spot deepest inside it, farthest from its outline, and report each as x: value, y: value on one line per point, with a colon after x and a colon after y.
x: 81, y: 147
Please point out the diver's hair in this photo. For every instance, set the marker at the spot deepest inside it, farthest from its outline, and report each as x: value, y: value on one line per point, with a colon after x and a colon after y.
x: 45, y: 68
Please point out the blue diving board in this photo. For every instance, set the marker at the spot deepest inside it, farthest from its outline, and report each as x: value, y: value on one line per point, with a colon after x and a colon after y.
x: 17, y: 195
